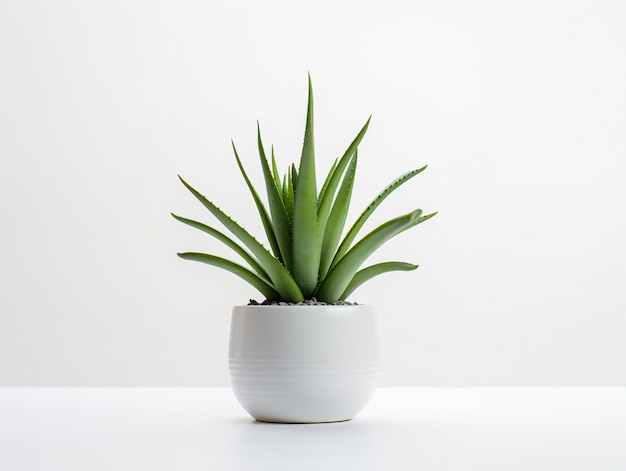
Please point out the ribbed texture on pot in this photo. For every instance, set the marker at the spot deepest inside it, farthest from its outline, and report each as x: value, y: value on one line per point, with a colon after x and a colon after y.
x: 287, y: 391
x: 304, y: 364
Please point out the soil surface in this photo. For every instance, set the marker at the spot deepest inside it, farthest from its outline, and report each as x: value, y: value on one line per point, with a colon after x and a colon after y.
x: 306, y: 302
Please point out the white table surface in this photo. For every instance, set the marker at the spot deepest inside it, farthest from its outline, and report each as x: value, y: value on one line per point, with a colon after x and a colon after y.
x: 448, y: 429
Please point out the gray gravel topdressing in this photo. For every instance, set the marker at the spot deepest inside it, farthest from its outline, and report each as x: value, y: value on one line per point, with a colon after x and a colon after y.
x: 306, y: 302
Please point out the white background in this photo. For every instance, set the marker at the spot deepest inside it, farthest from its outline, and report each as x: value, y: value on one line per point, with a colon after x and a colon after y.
x: 519, y: 108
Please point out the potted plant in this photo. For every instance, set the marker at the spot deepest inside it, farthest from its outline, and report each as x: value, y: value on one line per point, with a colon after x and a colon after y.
x: 305, y: 354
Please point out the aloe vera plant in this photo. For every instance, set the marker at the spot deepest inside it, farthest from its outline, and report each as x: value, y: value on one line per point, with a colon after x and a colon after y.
x: 308, y: 257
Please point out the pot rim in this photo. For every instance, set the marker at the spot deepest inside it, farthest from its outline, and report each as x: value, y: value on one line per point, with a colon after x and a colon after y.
x: 325, y: 306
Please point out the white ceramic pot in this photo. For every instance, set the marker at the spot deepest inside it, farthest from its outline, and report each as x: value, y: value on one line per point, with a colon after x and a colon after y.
x: 304, y: 364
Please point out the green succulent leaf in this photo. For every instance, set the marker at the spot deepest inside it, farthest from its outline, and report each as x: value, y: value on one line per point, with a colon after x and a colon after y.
x: 370, y: 272
x: 342, y: 273
x: 268, y: 291
x: 280, y: 221
x: 282, y: 280
x: 327, y: 196
x: 265, y: 218
x: 306, y: 236
x: 294, y: 176
x: 229, y: 242
x: 354, y: 230
x: 327, y: 180
x: 304, y: 228
x: 276, y: 174
x: 288, y: 198
x: 337, y: 218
